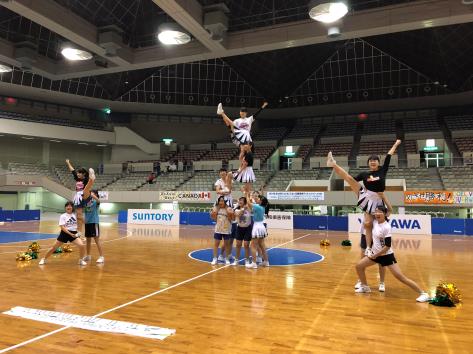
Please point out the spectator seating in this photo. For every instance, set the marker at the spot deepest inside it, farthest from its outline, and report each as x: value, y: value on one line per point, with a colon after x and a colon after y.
x: 379, y: 126
x: 263, y: 152
x: 282, y: 178
x: 341, y: 129
x: 190, y: 155
x: 459, y: 122
x: 129, y: 182
x: 30, y: 169
x: 375, y: 147
x: 304, y: 151
x: 338, y: 149
x: 464, y: 144
x: 303, y: 131
x: 222, y: 154
x: 420, y: 124
x: 51, y: 120
x: 200, y: 181
x: 66, y: 178
x: 410, y: 146
x: 457, y: 178
x: 270, y: 133
x: 167, y: 181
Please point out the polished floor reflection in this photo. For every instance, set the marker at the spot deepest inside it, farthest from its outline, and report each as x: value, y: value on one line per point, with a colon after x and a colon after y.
x: 307, y: 308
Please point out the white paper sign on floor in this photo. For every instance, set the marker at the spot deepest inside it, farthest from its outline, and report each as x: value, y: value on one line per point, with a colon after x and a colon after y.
x: 91, y: 323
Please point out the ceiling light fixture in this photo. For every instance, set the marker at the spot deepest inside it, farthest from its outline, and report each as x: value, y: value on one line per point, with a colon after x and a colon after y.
x: 172, y: 34
x: 5, y: 68
x: 71, y: 52
x: 327, y: 11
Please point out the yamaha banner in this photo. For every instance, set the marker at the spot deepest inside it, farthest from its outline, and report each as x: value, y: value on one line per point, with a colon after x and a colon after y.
x: 400, y: 224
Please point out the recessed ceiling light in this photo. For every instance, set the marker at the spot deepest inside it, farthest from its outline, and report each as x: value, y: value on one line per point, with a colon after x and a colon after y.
x: 27, y: 137
x: 83, y: 144
x: 172, y: 34
x: 327, y: 11
x: 101, y: 145
x: 76, y: 54
x: 55, y: 141
x: 5, y: 68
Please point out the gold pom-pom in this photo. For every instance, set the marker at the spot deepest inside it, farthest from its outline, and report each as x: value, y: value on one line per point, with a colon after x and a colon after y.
x: 66, y: 248
x: 325, y: 242
x: 450, y: 291
x: 34, y: 247
x: 20, y: 256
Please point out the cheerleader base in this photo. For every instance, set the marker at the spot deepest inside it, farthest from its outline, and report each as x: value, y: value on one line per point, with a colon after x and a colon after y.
x: 368, y: 200
x: 228, y: 200
x: 247, y: 175
x: 259, y: 230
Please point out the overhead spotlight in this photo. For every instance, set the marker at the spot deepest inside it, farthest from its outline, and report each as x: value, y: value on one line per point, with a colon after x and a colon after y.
x: 333, y: 32
x: 467, y: 2
x: 5, y: 68
x: 72, y: 52
x: 172, y: 34
x: 327, y: 11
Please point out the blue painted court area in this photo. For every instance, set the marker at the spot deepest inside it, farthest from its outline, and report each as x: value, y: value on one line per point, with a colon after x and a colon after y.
x: 277, y: 256
x: 14, y: 236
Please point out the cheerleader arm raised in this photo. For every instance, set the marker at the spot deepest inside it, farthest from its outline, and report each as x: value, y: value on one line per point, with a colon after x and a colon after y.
x: 259, y: 110
x: 394, y: 147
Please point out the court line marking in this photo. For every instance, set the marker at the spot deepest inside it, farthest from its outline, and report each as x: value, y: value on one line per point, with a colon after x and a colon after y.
x: 275, y: 265
x: 34, y: 339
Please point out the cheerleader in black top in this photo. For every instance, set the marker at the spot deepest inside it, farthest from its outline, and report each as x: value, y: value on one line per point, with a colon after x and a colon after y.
x: 245, y: 173
x: 374, y: 182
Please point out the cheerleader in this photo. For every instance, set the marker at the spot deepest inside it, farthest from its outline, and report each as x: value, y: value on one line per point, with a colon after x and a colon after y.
x: 245, y: 173
x: 92, y: 227
x: 258, y: 232
x: 383, y: 254
x: 363, y: 246
x: 240, y: 128
x: 224, y: 185
x: 81, y: 176
x: 223, y: 215
x: 374, y: 181
x: 243, y: 231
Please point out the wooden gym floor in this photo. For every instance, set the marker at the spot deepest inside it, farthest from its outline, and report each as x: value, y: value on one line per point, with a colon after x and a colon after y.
x: 295, y: 309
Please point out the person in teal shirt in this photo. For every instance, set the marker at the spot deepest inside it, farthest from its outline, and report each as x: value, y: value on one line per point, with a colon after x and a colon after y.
x: 92, y: 229
x: 259, y: 232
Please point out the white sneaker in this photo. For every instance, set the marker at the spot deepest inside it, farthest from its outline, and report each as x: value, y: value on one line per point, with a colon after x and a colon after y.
x: 251, y: 265
x: 214, y: 261
x: 381, y: 288
x: 330, y: 160
x: 82, y: 262
x: 219, y: 109
x: 368, y: 252
x: 227, y: 261
x: 235, y: 262
x: 259, y: 259
x: 91, y: 174
x: 220, y: 259
x: 265, y: 264
x: 100, y: 260
x: 363, y: 289
x: 424, y: 297
x: 87, y: 258
x: 42, y: 261
x: 358, y: 284
x: 247, y: 262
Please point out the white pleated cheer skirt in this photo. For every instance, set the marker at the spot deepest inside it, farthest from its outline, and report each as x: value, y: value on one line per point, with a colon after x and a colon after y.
x: 247, y: 175
x: 240, y: 136
x: 259, y: 230
x: 77, y: 200
x: 368, y: 200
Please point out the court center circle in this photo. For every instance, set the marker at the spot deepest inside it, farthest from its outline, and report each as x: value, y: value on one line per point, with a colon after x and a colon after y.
x: 277, y: 256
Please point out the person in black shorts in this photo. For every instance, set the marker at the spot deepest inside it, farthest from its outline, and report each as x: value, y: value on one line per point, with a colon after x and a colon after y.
x: 243, y: 230
x: 68, y: 225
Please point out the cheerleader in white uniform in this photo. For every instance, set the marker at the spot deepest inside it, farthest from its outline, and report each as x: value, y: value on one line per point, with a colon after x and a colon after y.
x: 374, y: 182
x: 245, y: 173
x: 81, y: 176
x: 259, y: 232
x: 224, y: 185
x: 241, y: 127
x: 384, y: 256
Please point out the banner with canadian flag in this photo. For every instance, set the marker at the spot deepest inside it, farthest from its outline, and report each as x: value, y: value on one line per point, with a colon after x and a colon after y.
x: 184, y: 196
